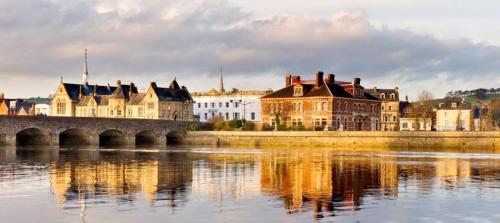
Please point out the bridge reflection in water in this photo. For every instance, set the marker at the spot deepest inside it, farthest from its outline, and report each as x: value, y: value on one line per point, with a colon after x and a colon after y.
x: 324, y: 183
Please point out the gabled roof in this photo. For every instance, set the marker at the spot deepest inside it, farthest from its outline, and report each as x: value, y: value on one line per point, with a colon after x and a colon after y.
x: 377, y: 92
x: 86, y: 90
x: 136, y: 99
x: 172, y: 93
x: 325, y: 90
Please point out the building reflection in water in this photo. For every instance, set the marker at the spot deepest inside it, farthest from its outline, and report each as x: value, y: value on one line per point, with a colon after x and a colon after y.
x: 123, y: 175
x: 322, y: 182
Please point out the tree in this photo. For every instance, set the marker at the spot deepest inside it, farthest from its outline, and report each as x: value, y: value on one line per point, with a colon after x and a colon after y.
x: 423, y: 108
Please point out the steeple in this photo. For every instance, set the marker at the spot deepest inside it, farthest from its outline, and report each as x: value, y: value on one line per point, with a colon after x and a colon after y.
x: 221, y: 82
x: 85, y: 70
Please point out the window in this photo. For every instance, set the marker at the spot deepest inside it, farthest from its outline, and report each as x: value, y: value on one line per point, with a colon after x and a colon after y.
x: 61, y: 106
x: 382, y: 96
x: 346, y: 106
x: 151, y: 105
x: 389, y: 108
x: 297, y: 91
x: 405, y: 125
x: 213, y: 105
x: 393, y: 96
x: 111, y: 112
x: 324, y: 106
x: 206, y: 116
x: 227, y: 104
x: 199, y: 105
x: 252, y: 115
x: 383, y: 107
x: 206, y: 105
x: 297, y: 106
x: 236, y: 116
x: 296, y: 121
x: 118, y: 111
x: 235, y: 104
x: 220, y: 104
x: 141, y: 112
x: 386, y: 118
x: 227, y: 115
x: 394, y: 118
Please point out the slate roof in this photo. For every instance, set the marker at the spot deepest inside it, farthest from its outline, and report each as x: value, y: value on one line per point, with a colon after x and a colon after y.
x: 325, y: 90
x: 136, y: 99
x: 74, y: 90
x: 172, y: 93
x: 377, y: 92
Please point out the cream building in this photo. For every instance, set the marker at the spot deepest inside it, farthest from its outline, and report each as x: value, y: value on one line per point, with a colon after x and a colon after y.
x: 454, y: 115
x: 389, y: 111
x: 122, y: 101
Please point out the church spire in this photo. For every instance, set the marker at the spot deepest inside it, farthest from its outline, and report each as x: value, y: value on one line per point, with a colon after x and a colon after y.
x: 85, y: 70
x: 221, y: 81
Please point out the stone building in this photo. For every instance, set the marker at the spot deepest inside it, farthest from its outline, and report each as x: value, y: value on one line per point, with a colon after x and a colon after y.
x: 389, y: 112
x: 230, y: 105
x: 322, y: 104
x: 454, y: 115
x: 122, y: 101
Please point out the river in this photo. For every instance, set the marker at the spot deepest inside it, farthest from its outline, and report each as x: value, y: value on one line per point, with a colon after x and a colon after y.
x: 45, y: 184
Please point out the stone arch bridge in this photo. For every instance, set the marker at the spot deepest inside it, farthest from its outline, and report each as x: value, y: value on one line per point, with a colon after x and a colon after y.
x: 35, y: 130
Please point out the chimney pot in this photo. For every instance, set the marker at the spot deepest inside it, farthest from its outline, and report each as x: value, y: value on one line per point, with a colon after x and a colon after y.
x: 331, y: 78
x: 356, y: 80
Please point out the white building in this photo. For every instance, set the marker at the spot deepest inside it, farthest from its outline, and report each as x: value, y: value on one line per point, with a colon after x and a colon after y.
x: 42, y: 109
x: 229, y: 105
x: 454, y: 116
x: 415, y: 124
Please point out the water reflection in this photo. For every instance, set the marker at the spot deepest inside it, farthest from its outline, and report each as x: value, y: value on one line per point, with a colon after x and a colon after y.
x: 291, y: 184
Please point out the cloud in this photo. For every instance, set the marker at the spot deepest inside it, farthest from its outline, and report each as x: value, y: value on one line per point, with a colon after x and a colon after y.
x: 146, y: 40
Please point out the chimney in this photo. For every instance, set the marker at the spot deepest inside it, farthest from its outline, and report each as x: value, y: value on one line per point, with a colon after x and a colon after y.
x: 2, y: 96
x: 295, y: 79
x: 319, y: 78
x: 331, y: 78
x: 288, y: 80
x: 118, y: 83
x: 131, y: 89
x: 356, y: 80
x: 153, y: 84
x: 81, y: 92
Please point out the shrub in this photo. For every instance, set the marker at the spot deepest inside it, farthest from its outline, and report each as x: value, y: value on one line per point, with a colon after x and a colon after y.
x: 194, y: 127
x: 235, y: 124
x: 266, y: 127
x: 248, y: 126
x: 283, y: 128
x: 298, y: 128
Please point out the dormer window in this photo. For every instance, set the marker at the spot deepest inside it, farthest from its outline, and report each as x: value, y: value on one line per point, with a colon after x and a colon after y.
x: 393, y: 96
x: 382, y: 96
x: 297, y: 91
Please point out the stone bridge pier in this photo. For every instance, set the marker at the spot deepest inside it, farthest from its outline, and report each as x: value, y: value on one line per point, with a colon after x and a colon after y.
x: 69, y: 131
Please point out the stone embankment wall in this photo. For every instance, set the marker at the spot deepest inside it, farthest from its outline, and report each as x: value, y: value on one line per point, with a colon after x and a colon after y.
x: 423, y: 140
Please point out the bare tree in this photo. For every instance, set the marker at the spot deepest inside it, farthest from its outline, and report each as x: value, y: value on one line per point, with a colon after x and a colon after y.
x: 424, y: 108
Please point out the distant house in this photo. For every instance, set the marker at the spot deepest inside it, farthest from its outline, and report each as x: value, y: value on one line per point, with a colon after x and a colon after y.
x: 42, y: 105
x: 454, y: 115
x: 389, y: 112
x: 412, y: 120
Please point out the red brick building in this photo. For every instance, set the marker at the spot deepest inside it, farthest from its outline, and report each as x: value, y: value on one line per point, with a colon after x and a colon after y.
x: 322, y: 104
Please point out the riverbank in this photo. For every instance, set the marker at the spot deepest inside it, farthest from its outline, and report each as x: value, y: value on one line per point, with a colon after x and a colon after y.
x: 455, y: 140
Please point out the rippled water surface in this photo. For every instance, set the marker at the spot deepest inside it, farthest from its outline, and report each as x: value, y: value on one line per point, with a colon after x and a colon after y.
x: 247, y: 185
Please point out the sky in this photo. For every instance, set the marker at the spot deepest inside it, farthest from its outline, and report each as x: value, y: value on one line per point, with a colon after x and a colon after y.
x: 437, y: 46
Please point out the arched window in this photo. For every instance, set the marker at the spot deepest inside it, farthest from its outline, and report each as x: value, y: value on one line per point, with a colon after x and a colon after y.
x: 393, y: 96
x: 61, y: 106
x: 382, y: 96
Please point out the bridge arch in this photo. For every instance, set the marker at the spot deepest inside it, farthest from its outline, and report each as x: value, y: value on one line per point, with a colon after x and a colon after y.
x: 75, y: 136
x: 113, y: 137
x: 174, y: 137
x: 33, y: 136
x: 148, y: 137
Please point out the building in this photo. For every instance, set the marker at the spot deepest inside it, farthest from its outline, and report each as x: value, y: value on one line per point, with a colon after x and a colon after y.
x: 42, y: 105
x: 122, y: 101
x: 389, y: 114
x: 322, y: 104
x: 411, y: 120
x: 4, y: 105
x: 229, y: 105
x: 454, y: 115
x: 19, y: 107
